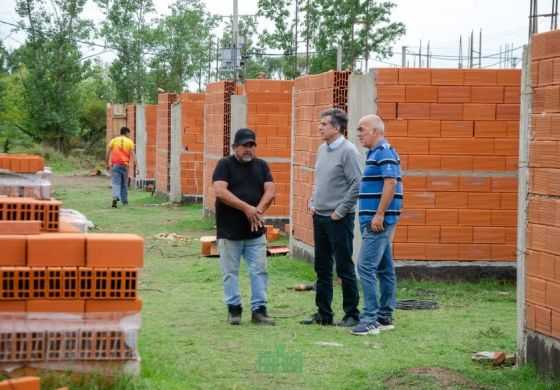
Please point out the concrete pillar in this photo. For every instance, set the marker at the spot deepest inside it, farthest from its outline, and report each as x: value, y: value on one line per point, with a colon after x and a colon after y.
x: 362, y: 97
x: 238, y: 114
x: 141, y: 141
x: 175, y: 194
x: 523, y: 191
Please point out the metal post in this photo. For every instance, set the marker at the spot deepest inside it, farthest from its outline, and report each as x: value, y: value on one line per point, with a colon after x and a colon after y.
x: 235, y: 36
x: 403, y: 57
x: 480, y: 49
x: 420, y: 55
x: 460, y: 52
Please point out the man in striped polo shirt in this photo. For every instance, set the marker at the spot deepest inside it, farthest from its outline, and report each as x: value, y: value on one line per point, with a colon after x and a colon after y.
x: 380, y: 201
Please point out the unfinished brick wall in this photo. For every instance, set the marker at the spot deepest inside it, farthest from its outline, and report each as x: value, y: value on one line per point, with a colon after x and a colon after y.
x: 269, y: 114
x: 150, y: 117
x: 116, y: 118
x: 312, y: 94
x: 163, y: 141
x: 542, y: 256
x: 217, y: 117
x: 457, y: 134
x: 192, y: 118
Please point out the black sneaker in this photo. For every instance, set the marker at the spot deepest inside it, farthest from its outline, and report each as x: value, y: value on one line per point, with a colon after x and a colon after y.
x: 316, y: 319
x: 385, y: 324
x: 260, y: 317
x: 125, y: 203
x: 234, y: 314
x: 348, y: 322
x: 114, y: 205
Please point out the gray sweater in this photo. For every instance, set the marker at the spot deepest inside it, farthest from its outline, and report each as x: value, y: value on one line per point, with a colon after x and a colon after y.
x: 337, y: 179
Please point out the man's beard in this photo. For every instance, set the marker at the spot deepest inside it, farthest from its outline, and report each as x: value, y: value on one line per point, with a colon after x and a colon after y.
x: 246, y: 158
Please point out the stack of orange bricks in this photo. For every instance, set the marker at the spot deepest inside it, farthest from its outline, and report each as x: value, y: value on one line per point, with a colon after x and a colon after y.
x: 64, y: 296
x: 543, y: 236
x: 313, y: 94
x: 192, y: 157
x: 21, y: 163
x: 457, y: 134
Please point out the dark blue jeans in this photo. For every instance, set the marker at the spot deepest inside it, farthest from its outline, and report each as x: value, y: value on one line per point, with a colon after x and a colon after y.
x: 334, y: 239
x: 119, y: 182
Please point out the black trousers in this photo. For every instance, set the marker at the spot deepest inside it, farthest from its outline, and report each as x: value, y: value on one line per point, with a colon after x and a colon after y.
x: 335, y: 239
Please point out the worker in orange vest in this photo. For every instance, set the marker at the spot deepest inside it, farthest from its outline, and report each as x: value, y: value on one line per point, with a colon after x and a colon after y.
x: 120, y: 152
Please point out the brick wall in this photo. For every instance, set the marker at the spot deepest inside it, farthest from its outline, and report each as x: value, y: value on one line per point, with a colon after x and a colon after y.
x: 269, y: 113
x: 192, y: 117
x: 217, y: 116
x: 165, y: 100
x: 150, y: 112
x: 457, y: 133
x: 313, y: 94
x: 543, y: 231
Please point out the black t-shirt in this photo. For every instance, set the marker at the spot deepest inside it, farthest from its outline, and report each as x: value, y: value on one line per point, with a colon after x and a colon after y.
x: 246, y: 181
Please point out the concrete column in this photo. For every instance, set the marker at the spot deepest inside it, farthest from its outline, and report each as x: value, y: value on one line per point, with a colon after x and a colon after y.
x: 362, y: 95
x: 175, y: 193
x: 523, y: 191
x: 238, y: 114
x: 141, y: 141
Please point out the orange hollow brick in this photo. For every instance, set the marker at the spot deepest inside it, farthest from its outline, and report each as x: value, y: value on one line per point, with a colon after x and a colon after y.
x: 24, y: 383
x: 115, y: 250
x: 56, y: 249
x: 13, y: 250
x: 55, y: 306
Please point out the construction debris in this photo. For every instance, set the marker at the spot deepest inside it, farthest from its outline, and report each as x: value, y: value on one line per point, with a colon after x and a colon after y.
x: 277, y: 251
x: 209, y: 247
x: 170, y: 237
x: 494, y: 358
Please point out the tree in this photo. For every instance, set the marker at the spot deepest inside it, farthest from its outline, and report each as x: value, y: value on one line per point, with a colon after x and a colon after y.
x: 360, y: 27
x: 51, y: 68
x: 127, y: 29
x: 182, y: 42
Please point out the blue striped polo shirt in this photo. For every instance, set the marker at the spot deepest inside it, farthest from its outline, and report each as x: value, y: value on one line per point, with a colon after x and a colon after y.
x: 382, y: 162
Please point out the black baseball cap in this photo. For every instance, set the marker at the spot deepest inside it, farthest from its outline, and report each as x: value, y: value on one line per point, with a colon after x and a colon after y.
x: 244, y: 136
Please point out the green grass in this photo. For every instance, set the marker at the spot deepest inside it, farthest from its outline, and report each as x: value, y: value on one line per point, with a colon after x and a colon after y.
x: 185, y: 342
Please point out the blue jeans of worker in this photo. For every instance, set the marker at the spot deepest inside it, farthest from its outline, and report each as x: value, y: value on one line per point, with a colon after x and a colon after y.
x: 119, y: 182
x: 375, y: 264
x: 254, y: 253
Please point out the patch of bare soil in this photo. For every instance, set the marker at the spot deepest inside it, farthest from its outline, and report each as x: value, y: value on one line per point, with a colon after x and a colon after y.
x: 78, y: 181
x: 430, y: 378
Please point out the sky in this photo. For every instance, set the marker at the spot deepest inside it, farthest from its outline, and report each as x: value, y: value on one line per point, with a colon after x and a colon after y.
x: 441, y: 22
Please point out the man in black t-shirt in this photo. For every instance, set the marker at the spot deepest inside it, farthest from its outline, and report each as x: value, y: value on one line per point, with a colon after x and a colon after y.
x: 244, y: 190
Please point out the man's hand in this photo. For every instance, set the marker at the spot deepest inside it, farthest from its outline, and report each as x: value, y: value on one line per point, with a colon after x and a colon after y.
x: 335, y: 216
x: 254, y: 218
x: 108, y: 164
x: 377, y: 223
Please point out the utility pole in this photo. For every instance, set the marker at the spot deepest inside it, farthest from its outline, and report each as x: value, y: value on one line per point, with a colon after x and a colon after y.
x: 296, y: 39
x: 307, y: 36
x: 235, y: 37
x: 367, y: 33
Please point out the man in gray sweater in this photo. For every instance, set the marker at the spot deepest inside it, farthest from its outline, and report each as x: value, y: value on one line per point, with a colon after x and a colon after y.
x: 335, y: 191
